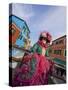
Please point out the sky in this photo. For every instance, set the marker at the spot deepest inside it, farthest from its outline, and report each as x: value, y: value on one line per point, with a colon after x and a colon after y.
x: 42, y: 18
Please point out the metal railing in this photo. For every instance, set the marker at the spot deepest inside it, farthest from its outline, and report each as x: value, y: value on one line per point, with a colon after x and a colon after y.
x: 19, y: 48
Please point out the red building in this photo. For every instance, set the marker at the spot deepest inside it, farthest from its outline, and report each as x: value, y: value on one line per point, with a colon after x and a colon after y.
x: 14, y: 33
x: 58, y: 48
x: 57, y: 53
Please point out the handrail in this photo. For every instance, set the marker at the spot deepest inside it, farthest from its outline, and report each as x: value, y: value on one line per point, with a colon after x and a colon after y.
x: 58, y: 77
x: 21, y: 48
x: 15, y: 59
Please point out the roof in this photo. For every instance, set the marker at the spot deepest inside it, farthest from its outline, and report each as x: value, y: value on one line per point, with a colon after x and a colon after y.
x: 59, y: 38
x: 18, y: 21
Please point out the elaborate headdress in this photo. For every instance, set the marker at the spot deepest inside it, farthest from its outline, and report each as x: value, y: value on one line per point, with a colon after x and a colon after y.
x: 46, y: 35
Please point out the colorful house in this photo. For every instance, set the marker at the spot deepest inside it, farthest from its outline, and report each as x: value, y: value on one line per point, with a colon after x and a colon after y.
x: 57, y: 53
x: 58, y: 50
x: 19, y: 31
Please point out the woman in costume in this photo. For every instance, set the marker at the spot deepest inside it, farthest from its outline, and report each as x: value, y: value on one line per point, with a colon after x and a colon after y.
x: 35, y: 67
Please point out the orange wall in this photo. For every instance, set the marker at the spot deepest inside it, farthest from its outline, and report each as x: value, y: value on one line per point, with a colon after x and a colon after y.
x: 15, y: 35
x: 58, y: 47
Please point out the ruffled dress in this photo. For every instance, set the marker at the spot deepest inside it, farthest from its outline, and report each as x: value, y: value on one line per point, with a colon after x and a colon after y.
x: 35, y: 68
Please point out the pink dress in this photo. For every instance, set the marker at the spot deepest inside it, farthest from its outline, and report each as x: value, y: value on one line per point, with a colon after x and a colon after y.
x: 34, y: 70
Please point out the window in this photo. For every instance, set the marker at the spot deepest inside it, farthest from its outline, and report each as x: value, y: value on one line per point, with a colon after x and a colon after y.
x: 58, y: 52
x: 54, y: 51
x: 50, y: 50
x: 28, y: 35
x: 25, y: 30
x: 61, y: 41
x: 11, y: 31
x: 24, y: 27
x: 21, y: 36
x: 56, y: 42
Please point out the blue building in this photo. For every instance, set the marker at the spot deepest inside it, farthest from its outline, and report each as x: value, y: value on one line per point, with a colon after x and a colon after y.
x: 19, y: 29
x: 19, y: 33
